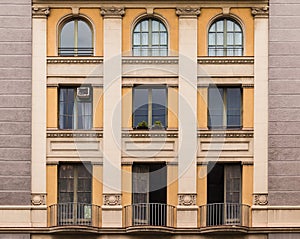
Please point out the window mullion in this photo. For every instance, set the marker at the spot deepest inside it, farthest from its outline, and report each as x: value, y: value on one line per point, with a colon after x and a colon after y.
x: 75, y: 111
x: 76, y: 37
x: 225, y: 107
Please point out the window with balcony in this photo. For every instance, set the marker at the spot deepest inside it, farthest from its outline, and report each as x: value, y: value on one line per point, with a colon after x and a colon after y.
x: 150, y: 38
x: 75, y: 108
x: 150, y: 106
x: 75, y: 38
x: 224, y: 107
x: 225, y: 38
x: 224, y: 197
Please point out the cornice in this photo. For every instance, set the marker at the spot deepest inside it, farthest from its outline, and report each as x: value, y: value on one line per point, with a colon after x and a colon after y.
x: 74, y: 61
x: 228, y: 60
x: 149, y: 135
x: 74, y: 135
x: 225, y: 134
x: 149, y: 61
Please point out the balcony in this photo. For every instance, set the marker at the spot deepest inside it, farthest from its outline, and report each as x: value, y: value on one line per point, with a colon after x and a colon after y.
x: 72, y: 51
x: 74, y: 214
x: 149, y: 214
x: 224, y: 214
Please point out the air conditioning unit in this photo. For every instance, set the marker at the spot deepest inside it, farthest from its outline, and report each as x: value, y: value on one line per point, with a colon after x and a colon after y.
x: 83, y: 92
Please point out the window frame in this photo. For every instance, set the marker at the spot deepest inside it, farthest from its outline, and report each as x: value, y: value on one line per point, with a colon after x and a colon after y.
x: 225, y: 109
x: 224, y: 48
x: 74, y: 51
x: 150, y: 102
x: 162, y: 49
x: 75, y: 119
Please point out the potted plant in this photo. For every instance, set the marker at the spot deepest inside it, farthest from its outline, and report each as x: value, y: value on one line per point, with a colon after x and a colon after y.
x: 157, y: 125
x: 142, y: 125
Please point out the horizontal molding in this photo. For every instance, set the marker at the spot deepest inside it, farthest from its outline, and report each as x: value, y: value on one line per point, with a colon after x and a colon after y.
x: 225, y: 134
x: 225, y: 60
x: 150, y: 60
x: 74, y: 60
x: 149, y: 135
x: 74, y: 135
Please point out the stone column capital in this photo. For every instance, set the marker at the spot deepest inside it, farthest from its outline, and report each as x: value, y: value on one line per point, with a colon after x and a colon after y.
x: 40, y: 12
x: 260, y: 12
x: 112, y: 12
x: 188, y: 12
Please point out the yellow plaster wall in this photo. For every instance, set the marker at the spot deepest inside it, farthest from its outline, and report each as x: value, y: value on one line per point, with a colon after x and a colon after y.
x: 172, y: 108
x: 247, y: 184
x: 126, y: 187
x: 51, y: 187
x: 127, y: 24
x: 52, y: 29
x: 98, y: 107
x: 52, y: 22
x: 172, y: 187
x: 248, y: 108
x: 97, y: 189
x: 52, y: 105
x: 126, y: 107
x: 201, y: 188
x: 244, y: 14
x: 173, y: 24
x: 202, y: 107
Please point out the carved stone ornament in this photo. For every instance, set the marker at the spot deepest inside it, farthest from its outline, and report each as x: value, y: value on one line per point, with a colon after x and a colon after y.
x: 38, y: 199
x: 40, y: 12
x: 261, y: 199
x: 187, y: 199
x: 112, y: 12
x: 112, y: 199
x: 260, y: 12
x: 188, y: 11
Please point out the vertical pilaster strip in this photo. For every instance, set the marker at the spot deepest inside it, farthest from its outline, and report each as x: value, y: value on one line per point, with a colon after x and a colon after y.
x: 38, y: 161
x: 202, y: 106
x: 187, y: 112
x: 260, y: 102
x: 248, y: 106
x: 112, y: 90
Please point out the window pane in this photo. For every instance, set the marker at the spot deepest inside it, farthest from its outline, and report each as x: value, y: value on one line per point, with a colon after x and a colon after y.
x: 163, y: 39
x: 66, y: 107
x: 233, y: 107
x: 155, y: 25
x: 140, y: 106
x: 229, y: 38
x: 211, y: 39
x: 67, y: 35
x: 213, y: 28
x: 238, y: 38
x: 155, y: 39
x: 144, y: 39
x: 159, y: 103
x: 220, y: 26
x: 229, y: 25
x: 220, y: 39
x: 136, y: 39
x: 215, y: 107
x: 145, y: 26
x: 137, y: 28
x: 84, y: 35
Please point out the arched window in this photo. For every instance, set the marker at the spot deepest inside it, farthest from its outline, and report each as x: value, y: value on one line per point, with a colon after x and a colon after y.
x: 225, y: 38
x: 150, y: 38
x: 75, y: 39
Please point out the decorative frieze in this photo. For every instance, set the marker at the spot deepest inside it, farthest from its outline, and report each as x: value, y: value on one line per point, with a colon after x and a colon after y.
x: 39, y: 12
x: 38, y: 199
x: 225, y: 61
x: 225, y: 135
x: 112, y: 199
x: 260, y: 199
x: 74, y: 135
x: 247, y: 85
x: 74, y: 61
x: 187, y: 199
x: 149, y: 135
x: 260, y: 12
x: 112, y: 12
x: 150, y: 61
x: 188, y: 12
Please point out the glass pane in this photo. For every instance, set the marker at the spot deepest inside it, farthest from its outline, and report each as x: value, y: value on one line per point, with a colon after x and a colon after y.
x: 137, y: 28
x: 159, y: 103
x: 155, y: 26
x: 84, y: 35
x: 136, y: 39
x: 67, y: 35
x: 212, y: 28
x: 215, y: 107
x: 145, y: 26
x: 144, y: 39
x: 233, y: 181
x: 229, y: 38
x: 220, y: 26
x: 163, y: 39
x: 155, y: 39
x: 229, y: 25
x: 233, y: 107
x: 237, y: 28
x: 238, y: 39
x: 140, y: 106
x: 212, y: 39
x: 220, y: 39
x: 66, y: 107
x: 162, y: 27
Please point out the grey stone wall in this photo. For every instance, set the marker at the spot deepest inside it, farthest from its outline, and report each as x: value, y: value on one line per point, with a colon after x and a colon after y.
x: 284, y: 103
x: 15, y: 102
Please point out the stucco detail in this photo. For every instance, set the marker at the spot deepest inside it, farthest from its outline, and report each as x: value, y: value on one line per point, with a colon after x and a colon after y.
x: 112, y: 199
x: 187, y: 199
x: 260, y: 199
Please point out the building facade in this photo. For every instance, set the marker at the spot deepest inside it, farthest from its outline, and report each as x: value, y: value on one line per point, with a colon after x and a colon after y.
x: 149, y: 119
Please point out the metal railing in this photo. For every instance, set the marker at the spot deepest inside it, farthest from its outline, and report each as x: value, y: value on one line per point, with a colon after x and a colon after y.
x: 225, y: 51
x: 149, y: 214
x: 217, y: 214
x: 74, y: 214
x: 150, y: 51
x: 73, y: 51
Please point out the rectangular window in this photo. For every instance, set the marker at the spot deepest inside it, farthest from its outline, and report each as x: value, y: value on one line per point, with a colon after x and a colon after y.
x: 150, y: 106
x: 75, y: 108
x: 224, y: 107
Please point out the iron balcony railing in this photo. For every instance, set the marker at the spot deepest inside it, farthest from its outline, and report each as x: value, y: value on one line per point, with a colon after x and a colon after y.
x: 217, y: 214
x: 73, y: 51
x: 81, y: 214
x: 225, y: 51
x: 149, y: 214
x: 150, y: 51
